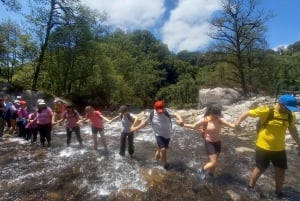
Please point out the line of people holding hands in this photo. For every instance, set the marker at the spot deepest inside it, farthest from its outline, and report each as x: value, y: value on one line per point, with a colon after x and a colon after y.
x: 270, y: 143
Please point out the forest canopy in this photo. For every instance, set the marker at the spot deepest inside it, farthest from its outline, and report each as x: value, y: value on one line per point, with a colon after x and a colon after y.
x: 68, y: 51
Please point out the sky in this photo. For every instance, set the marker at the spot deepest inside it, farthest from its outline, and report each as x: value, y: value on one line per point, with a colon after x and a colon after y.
x: 183, y: 24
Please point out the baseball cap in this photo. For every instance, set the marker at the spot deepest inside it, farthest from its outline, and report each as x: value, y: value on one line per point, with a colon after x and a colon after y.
x: 22, y: 102
x: 159, y: 106
x: 290, y: 102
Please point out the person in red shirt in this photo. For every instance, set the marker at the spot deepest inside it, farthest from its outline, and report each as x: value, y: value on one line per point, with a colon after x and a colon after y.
x: 95, y: 117
x: 71, y: 116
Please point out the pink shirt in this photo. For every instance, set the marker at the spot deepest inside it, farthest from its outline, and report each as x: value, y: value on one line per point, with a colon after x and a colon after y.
x: 31, y: 116
x: 95, y: 118
x: 71, y: 118
x: 22, y: 112
x: 213, y: 130
x: 44, y: 116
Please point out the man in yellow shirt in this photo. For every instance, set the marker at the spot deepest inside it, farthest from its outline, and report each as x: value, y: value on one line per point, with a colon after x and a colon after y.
x: 270, y: 144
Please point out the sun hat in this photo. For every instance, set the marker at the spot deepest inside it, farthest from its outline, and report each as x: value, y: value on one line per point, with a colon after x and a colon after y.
x: 289, y: 101
x: 159, y: 106
x: 16, y: 102
x: 41, y: 102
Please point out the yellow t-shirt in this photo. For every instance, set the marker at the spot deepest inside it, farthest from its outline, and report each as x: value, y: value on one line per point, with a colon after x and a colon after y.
x: 272, y: 136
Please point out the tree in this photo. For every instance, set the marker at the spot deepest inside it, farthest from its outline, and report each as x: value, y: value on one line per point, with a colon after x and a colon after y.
x: 13, y: 5
x: 239, y: 30
x: 46, y: 15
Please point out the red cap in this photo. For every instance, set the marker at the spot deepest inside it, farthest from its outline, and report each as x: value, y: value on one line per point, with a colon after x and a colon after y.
x: 159, y: 106
x: 22, y: 103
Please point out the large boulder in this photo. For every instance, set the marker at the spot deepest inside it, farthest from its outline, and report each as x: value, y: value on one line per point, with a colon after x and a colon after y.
x: 224, y: 96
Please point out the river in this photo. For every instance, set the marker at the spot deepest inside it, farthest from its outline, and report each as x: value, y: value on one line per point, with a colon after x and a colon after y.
x: 60, y: 173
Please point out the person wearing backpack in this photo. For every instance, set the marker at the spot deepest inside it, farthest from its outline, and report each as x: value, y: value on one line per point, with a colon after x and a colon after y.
x: 211, y: 126
x: 270, y: 143
x: 161, y: 126
x: 127, y: 120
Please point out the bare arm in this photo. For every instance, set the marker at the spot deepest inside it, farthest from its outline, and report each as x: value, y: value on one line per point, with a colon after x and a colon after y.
x: 192, y: 126
x: 141, y: 125
x: 242, y: 118
x: 178, y: 119
x: 295, y: 136
x: 226, y: 123
x: 113, y: 119
x: 106, y: 119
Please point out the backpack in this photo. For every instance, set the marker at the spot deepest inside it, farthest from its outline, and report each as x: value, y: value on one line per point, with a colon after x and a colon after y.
x: 260, y: 125
x: 165, y: 113
x: 203, y: 128
x: 6, y: 114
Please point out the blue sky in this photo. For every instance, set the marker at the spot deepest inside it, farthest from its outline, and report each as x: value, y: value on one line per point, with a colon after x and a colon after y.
x: 183, y: 24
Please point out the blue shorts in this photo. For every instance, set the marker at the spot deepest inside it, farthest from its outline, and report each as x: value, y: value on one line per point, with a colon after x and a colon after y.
x: 213, y: 147
x: 162, y: 142
x: 264, y: 157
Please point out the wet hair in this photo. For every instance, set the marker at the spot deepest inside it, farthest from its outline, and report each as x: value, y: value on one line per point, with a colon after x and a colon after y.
x: 213, y: 108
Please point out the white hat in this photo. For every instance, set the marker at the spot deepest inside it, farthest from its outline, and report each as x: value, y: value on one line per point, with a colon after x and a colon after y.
x: 41, y: 102
x: 19, y: 97
x: 16, y: 102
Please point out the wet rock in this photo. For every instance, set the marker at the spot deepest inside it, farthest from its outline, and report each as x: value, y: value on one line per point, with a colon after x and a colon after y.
x: 233, y: 195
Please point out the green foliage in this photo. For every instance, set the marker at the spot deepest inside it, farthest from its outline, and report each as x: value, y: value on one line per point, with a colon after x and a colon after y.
x: 84, y: 60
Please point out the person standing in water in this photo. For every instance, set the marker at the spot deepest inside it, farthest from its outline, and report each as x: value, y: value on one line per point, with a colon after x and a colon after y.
x: 95, y: 117
x: 72, y: 118
x: 211, y: 126
x: 160, y: 118
x: 270, y: 143
x: 127, y: 120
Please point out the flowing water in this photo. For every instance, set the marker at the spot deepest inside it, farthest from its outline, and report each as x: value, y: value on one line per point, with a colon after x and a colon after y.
x: 30, y: 172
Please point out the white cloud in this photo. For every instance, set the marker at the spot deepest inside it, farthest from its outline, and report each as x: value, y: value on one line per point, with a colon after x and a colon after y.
x: 188, y: 25
x: 130, y: 14
x: 186, y: 28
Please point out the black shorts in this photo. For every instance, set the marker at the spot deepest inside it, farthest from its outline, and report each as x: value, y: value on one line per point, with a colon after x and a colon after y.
x: 162, y: 142
x: 264, y: 157
x: 95, y: 130
x: 213, y: 147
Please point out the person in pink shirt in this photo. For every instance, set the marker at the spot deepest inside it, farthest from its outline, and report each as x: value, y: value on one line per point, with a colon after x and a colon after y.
x: 44, y: 122
x: 21, y: 119
x: 71, y: 116
x: 95, y: 117
x: 211, y: 126
x: 32, y: 127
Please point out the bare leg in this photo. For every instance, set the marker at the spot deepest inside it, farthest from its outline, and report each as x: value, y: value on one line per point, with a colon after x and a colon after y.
x: 163, y: 156
x: 212, y: 164
x: 157, y: 155
x: 256, y: 172
x: 95, y: 141
x: 103, y: 139
x: 279, y: 178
